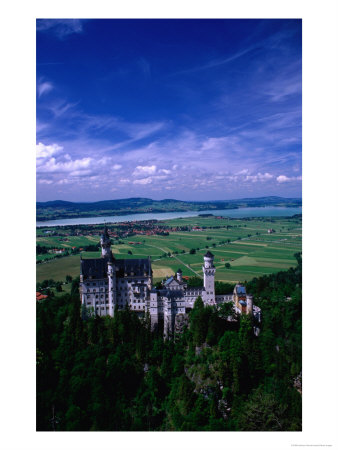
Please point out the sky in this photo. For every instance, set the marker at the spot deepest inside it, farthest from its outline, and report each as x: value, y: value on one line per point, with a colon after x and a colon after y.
x: 188, y: 109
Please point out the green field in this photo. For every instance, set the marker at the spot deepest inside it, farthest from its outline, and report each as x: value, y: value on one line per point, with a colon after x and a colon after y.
x: 252, y: 251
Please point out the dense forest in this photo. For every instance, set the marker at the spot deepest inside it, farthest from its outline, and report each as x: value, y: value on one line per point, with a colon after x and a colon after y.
x: 115, y: 374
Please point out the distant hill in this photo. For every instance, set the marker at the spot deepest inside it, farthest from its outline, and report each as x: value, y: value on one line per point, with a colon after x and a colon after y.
x: 60, y: 209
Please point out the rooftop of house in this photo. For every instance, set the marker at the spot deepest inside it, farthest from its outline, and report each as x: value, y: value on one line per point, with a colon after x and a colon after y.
x: 40, y: 296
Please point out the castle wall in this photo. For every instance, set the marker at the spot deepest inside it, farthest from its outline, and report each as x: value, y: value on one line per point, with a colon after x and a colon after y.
x: 95, y: 294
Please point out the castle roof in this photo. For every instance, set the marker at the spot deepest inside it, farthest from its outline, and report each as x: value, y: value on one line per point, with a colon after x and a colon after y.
x: 240, y: 289
x: 105, y: 234
x: 168, y: 281
x: 96, y: 268
x: 137, y: 267
x: 208, y: 254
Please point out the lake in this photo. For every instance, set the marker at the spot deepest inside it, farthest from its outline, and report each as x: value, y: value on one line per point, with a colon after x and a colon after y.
x: 268, y: 211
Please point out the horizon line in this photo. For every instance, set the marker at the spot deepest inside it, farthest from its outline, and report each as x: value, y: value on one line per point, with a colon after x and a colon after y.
x: 175, y: 199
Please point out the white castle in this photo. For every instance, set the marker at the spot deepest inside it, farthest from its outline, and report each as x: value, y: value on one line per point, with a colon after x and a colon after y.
x: 107, y: 284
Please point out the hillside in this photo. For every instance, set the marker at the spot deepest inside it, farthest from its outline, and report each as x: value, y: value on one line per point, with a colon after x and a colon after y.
x: 60, y: 209
x: 114, y: 374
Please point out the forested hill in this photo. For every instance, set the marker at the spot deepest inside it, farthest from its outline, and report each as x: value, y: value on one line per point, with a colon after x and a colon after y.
x: 60, y: 209
x: 114, y: 374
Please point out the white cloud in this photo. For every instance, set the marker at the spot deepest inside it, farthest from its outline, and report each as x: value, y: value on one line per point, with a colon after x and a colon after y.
x: 44, y: 88
x: 64, y: 181
x: 42, y: 181
x: 285, y: 179
x: 61, y: 28
x: 144, y: 170
x: 117, y: 166
x: 46, y: 151
x: 259, y: 177
x: 143, y: 181
x: 70, y: 166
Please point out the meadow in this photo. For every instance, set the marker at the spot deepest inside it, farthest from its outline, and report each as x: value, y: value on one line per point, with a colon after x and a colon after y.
x: 245, y: 244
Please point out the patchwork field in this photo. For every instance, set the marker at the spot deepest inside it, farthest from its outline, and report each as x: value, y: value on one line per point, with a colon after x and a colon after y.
x: 245, y: 244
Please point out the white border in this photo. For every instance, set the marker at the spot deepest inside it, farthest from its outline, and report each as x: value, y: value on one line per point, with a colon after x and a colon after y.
x: 320, y: 120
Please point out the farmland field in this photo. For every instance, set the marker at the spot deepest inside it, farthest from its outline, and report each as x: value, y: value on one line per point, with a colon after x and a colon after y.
x: 243, y: 243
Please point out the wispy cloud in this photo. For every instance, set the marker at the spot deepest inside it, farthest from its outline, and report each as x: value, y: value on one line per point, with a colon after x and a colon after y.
x: 61, y: 28
x: 216, y: 62
x: 226, y: 122
x: 44, y: 87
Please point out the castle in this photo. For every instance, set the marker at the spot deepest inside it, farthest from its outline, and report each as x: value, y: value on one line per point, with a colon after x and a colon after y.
x: 107, y: 284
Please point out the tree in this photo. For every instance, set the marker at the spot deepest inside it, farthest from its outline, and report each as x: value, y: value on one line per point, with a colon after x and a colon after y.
x: 227, y: 265
x: 69, y: 278
x: 198, y: 305
x: 75, y: 286
x: 195, y: 282
x: 192, y: 251
x: 262, y: 412
x: 225, y: 310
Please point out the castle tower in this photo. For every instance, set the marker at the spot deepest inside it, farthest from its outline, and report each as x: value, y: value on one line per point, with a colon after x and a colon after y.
x: 240, y: 298
x: 209, y: 278
x: 179, y: 275
x: 249, y: 302
x: 105, y: 243
x: 111, y: 285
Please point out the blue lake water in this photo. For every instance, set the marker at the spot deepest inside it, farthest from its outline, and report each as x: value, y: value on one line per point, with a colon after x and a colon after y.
x: 268, y: 211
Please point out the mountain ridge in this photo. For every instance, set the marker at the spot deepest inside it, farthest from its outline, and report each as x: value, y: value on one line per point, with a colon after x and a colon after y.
x: 61, y: 209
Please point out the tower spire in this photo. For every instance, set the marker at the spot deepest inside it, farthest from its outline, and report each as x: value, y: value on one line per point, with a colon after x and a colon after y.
x: 105, y: 242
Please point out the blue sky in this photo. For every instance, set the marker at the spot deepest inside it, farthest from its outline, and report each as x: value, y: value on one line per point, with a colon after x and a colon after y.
x: 185, y: 109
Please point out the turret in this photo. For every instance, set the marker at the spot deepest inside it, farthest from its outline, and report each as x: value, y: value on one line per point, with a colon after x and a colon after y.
x: 111, y: 285
x: 240, y: 298
x: 209, y: 278
x: 249, y: 303
x: 179, y: 275
x: 105, y: 243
